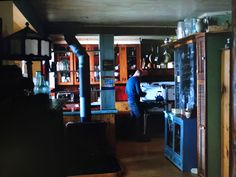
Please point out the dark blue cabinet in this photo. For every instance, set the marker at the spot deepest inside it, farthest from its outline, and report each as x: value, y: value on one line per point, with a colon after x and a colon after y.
x: 181, y: 141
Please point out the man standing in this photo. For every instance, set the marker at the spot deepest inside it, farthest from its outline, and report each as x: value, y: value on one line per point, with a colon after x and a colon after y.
x: 134, y: 93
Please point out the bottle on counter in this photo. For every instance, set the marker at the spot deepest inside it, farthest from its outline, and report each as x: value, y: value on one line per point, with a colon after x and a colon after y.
x: 41, y: 86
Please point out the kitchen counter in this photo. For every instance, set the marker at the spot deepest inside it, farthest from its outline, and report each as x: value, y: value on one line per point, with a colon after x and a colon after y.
x: 180, y: 116
x: 73, y: 107
x: 153, y: 110
x: 93, y: 112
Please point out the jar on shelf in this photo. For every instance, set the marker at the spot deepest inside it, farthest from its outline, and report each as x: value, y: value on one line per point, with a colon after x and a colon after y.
x: 199, y: 26
x: 65, y: 65
x: 180, y: 30
x: 187, y: 26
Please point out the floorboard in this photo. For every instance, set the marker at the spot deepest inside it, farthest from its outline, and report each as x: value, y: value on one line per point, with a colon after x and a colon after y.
x: 146, y: 159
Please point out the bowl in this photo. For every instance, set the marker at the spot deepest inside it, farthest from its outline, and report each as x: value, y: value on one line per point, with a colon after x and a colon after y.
x: 176, y: 111
x: 187, y: 114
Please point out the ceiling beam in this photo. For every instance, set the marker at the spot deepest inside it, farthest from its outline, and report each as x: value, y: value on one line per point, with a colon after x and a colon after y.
x: 78, y: 28
x: 29, y: 14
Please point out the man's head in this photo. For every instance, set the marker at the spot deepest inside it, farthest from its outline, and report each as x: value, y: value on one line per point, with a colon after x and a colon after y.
x: 138, y: 73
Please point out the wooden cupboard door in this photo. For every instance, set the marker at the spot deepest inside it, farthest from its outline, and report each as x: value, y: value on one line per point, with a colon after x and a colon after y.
x: 127, y: 61
x: 201, y: 57
x: 201, y: 106
x: 76, y: 70
x: 92, y: 68
x: 201, y: 103
x: 225, y: 112
x: 65, y: 66
x: 132, y: 58
x: 123, y: 64
x: 119, y: 63
x: 92, y: 51
x: 202, y: 151
x: 201, y: 128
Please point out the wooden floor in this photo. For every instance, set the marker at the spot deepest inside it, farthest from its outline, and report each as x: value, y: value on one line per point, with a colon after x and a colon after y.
x: 146, y: 159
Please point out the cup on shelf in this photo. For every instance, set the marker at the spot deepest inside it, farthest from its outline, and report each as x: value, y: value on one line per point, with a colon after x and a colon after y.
x: 116, y: 74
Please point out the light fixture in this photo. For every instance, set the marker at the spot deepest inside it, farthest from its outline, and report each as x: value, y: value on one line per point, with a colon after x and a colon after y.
x: 27, y: 45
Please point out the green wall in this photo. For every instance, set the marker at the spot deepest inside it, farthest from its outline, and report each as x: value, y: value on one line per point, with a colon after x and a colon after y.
x: 213, y: 57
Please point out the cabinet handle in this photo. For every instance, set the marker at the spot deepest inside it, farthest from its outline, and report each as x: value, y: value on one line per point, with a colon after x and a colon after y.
x: 202, y: 128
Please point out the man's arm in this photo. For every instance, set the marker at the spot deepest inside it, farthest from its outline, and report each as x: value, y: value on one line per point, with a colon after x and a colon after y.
x: 138, y: 89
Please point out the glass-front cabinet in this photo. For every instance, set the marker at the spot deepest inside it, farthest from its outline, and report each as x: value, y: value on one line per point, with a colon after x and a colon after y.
x: 169, y: 132
x: 177, y: 138
x: 180, y: 130
x: 93, y: 52
x: 131, y: 55
x: 185, y: 76
x: 67, y: 65
x: 64, y: 67
x: 181, y: 141
x: 127, y: 60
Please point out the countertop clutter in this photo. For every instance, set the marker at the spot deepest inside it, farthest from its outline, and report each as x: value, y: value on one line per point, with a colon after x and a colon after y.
x: 184, y: 113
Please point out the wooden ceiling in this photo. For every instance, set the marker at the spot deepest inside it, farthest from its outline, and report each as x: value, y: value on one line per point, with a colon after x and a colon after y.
x: 118, y: 17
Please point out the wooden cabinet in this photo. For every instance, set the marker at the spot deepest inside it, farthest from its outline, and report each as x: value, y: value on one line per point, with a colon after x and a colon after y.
x: 201, y: 106
x: 208, y: 94
x: 201, y: 58
x: 180, y: 141
x: 64, y: 67
x: 208, y: 56
x: 126, y: 62
x: 121, y: 65
x: 68, y: 66
x: 133, y: 59
x: 181, y: 133
x: 93, y: 53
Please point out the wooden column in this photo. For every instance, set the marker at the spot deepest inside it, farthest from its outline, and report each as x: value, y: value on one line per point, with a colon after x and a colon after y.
x: 233, y: 97
x: 225, y: 111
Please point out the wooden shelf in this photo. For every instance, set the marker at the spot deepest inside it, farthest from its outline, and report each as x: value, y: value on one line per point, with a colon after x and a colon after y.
x: 153, y: 75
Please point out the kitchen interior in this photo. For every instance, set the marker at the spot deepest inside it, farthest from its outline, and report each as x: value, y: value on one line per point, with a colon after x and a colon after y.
x: 181, y: 68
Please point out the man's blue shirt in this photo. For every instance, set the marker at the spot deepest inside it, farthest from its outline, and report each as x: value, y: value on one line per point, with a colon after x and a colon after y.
x: 133, y: 89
